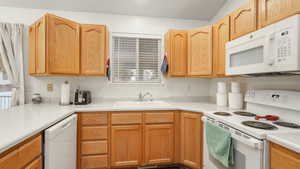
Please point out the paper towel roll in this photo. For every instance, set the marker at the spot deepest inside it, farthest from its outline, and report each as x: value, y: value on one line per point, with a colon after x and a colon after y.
x: 222, y: 99
x: 235, y: 100
x: 235, y: 87
x: 222, y: 88
x: 65, y: 93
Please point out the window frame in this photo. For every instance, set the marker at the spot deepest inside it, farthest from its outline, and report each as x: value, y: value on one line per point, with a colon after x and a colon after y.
x: 136, y: 35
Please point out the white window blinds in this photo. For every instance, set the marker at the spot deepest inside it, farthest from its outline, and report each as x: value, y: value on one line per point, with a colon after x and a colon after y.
x: 135, y: 60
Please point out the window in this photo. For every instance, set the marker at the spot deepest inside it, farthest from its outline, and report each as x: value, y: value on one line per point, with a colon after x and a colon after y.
x: 135, y: 59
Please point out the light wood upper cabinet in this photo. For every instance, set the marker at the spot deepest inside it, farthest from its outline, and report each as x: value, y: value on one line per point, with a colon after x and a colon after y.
x: 200, y: 52
x: 221, y: 32
x: 191, y: 140
x: 244, y: 19
x: 93, y: 49
x: 159, y: 144
x: 176, y: 51
x: 282, y: 158
x: 126, y: 145
x: 63, y: 39
x: 271, y: 11
x: 58, y: 47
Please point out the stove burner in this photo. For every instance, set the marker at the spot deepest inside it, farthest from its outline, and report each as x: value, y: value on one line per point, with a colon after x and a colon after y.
x: 243, y: 113
x: 287, y: 124
x: 259, y: 125
x: 222, y: 114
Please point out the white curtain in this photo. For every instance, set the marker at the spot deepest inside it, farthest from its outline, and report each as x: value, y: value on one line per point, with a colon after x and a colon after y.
x: 11, y: 56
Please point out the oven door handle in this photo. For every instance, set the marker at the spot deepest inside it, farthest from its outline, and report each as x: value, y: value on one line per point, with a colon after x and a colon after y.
x: 251, y: 142
x: 240, y: 137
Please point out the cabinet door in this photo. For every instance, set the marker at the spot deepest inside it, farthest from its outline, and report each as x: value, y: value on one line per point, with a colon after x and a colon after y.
x: 200, y: 52
x: 93, y: 50
x: 40, y: 47
x: 191, y: 140
x: 63, y: 47
x: 36, y: 164
x: 178, y: 53
x: 31, y: 50
x: 126, y: 145
x: 282, y: 158
x: 243, y: 20
x: 159, y: 144
x: 271, y: 11
x: 220, y: 38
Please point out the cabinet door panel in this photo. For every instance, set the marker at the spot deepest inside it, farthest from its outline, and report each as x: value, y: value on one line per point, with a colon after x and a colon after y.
x: 271, y: 11
x: 220, y: 38
x: 159, y: 144
x: 178, y: 53
x: 282, y: 158
x: 36, y: 164
x: 31, y: 50
x: 40, y: 46
x: 93, y: 49
x: 200, y: 52
x: 94, y: 162
x: 126, y: 145
x: 63, y: 45
x: 243, y: 20
x: 191, y: 140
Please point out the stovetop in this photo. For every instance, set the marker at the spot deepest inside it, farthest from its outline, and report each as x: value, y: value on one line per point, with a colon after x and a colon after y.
x: 245, y: 121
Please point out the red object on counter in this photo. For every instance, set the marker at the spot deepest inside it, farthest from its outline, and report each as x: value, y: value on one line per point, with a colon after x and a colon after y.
x: 268, y: 117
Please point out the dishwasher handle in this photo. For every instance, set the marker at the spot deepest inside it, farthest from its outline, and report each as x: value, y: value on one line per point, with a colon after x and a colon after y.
x: 60, y: 127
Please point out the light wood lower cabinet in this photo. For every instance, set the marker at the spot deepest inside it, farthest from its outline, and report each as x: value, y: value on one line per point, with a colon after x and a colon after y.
x: 131, y: 139
x: 159, y: 144
x: 92, y: 141
x: 25, y: 155
x: 191, y: 140
x: 282, y: 158
x: 126, y: 145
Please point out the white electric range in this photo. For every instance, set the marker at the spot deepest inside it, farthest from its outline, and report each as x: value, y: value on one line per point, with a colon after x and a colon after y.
x: 248, y: 133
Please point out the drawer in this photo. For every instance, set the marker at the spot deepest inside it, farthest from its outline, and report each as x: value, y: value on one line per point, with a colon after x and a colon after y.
x: 10, y: 161
x: 36, y: 164
x: 93, y: 162
x: 93, y: 118
x: 93, y: 133
x: 93, y: 147
x: 126, y: 118
x: 166, y: 117
x: 30, y: 151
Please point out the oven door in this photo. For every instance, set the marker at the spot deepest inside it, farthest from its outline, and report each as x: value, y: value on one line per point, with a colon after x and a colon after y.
x: 251, y: 53
x: 248, y: 152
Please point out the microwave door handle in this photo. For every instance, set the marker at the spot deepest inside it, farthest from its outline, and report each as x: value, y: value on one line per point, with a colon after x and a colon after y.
x: 270, y: 60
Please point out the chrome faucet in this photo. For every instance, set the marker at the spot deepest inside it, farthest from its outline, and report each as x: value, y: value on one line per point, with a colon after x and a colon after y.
x: 143, y: 96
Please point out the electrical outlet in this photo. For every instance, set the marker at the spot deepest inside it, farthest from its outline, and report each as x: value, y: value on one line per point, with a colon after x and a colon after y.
x: 50, y: 87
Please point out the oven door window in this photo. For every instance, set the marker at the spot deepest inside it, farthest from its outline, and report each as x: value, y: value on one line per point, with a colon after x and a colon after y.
x: 247, y: 57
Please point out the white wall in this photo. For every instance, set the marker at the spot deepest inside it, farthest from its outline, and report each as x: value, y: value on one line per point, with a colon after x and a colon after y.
x: 99, y: 86
x: 283, y: 83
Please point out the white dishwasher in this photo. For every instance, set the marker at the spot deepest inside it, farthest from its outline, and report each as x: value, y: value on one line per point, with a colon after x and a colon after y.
x: 60, y: 144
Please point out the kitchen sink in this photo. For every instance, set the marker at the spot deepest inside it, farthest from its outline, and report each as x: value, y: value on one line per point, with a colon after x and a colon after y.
x: 141, y: 104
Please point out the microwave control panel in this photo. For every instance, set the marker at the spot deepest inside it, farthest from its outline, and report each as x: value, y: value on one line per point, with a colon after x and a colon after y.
x: 284, y: 46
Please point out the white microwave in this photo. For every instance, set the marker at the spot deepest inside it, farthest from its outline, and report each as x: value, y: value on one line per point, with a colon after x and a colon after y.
x: 273, y: 49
